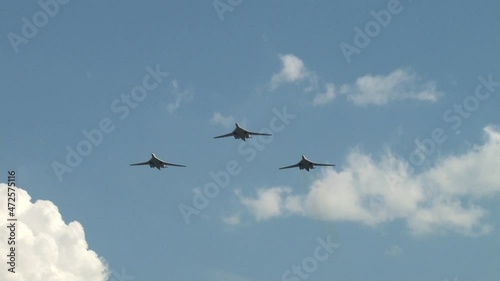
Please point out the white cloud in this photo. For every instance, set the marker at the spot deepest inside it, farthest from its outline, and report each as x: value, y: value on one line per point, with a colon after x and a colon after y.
x: 398, y: 85
x: 226, y: 121
x: 440, y: 199
x: 474, y: 173
x: 269, y: 202
x: 180, y: 96
x: 325, y: 97
x: 232, y: 220
x: 293, y: 70
x: 47, y: 248
x: 449, y: 214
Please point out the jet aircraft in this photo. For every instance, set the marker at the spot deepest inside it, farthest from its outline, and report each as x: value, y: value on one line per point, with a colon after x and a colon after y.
x: 240, y: 133
x: 157, y: 163
x: 306, y: 164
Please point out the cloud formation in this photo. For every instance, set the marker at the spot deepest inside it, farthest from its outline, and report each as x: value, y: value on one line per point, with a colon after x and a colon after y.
x: 232, y: 220
x: 326, y: 97
x: 400, y: 84
x: 225, y: 121
x: 441, y: 199
x: 268, y: 203
x: 180, y: 96
x: 48, y: 248
x: 292, y: 70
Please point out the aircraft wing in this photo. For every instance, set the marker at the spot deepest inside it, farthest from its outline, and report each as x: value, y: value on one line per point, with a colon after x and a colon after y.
x: 258, y: 134
x: 324, y: 165
x: 291, y: 166
x: 142, y: 163
x: 170, y: 164
x: 224, y: 136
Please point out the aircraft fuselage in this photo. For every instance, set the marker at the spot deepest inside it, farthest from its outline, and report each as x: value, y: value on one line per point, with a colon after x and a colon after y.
x: 305, y: 165
x: 239, y: 133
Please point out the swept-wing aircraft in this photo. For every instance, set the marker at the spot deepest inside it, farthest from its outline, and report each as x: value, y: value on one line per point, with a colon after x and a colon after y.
x: 306, y: 164
x: 157, y: 163
x: 240, y: 133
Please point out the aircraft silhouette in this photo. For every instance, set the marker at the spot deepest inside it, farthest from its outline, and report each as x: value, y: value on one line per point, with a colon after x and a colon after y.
x: 157, y: 163
x: 241, y: 133
x: 306, y: 164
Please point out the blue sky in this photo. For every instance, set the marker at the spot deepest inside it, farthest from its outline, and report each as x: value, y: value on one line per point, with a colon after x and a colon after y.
x: 396, y: 211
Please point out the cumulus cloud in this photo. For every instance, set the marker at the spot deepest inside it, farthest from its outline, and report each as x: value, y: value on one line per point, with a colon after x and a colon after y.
x: 371, y: 191
x: 269, y: 202
x: 293, y: 70
x: 180, y: 96
x: 326, y: 97
x: 48, y: 248
x: 401, y: 84
x: 474, y: 173
x: 226, y: 121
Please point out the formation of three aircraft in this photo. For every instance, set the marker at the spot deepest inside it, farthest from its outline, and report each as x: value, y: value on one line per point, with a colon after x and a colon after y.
x: 237, y: 133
